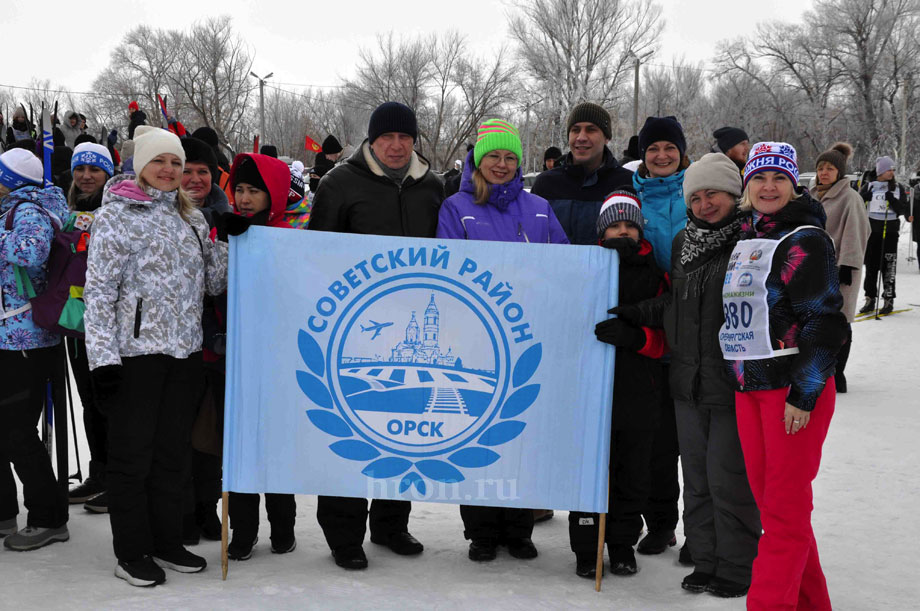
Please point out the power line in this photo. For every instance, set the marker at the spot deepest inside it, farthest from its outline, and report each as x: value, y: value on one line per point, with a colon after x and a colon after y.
x: 310, y: 86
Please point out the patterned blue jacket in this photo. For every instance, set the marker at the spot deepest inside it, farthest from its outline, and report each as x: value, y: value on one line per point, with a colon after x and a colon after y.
x: 27, y: 244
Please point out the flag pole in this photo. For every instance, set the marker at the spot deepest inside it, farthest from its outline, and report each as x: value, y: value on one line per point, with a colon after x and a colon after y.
x: 601, y: 535
x: 224, y: 525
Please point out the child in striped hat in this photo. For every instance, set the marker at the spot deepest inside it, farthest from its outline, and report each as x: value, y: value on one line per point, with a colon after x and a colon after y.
x: 637, y: 382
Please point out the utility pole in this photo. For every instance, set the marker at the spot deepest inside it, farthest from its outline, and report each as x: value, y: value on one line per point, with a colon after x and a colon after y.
x: 262, y: 101
x: 905, y: 168
x: 636, y: 99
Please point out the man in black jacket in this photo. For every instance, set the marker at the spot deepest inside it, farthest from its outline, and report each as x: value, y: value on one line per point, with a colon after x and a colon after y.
x: 577, y: 185
x: 384, y: 188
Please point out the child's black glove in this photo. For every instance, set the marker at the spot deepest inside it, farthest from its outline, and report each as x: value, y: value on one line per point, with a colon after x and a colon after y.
x: 618, y: 333
x: 629, y: 313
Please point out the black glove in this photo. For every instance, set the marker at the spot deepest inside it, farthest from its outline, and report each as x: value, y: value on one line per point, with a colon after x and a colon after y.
x: 846, y: 275
x: 629, y: 313
x: 618, y: 333
x: 106, y: 381
x: 237, y: 225
x: 228, y: 224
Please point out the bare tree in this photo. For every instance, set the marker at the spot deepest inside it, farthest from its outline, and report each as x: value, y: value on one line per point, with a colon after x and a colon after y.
x: 450, y: 90
x: 864, y: 32
x: 138, y: 70
x: 211, y: 76
x: 582, y: 49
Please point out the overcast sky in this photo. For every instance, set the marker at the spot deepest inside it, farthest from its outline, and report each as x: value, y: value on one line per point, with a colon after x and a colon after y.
x: 316, y: 43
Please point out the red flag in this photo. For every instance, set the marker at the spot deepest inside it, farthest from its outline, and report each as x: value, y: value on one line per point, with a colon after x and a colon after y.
x: 311, y: 145
x: 255, y: 144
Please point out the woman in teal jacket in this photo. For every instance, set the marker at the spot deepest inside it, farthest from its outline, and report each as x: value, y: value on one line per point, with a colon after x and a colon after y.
x: 659, y: 182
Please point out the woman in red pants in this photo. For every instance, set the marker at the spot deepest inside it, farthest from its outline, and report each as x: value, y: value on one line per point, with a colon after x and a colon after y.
x: 783, y: 329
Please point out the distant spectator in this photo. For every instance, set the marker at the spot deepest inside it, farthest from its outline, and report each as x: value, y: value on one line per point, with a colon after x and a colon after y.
x: 137, y: 116
x: 734, y: 142
x: 551, y: 157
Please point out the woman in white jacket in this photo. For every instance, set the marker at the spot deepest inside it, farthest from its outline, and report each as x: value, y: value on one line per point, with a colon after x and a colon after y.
x: 150, y: 263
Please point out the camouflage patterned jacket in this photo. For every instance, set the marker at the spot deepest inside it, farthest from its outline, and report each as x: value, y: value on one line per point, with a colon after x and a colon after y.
x: 147, y: 275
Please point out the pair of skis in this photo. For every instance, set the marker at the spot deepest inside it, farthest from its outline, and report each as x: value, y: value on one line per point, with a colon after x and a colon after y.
x: 873, y: 315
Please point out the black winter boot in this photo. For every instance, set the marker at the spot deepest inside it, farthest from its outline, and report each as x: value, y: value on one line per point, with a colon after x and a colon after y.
x: 725, y: 588
x: 869, y: 306
x: 623, y: 560
x: 483, y: 550
x: 696, y: 582
x: 586, y: 566
x: 656, y: 542
x: 888, y: 307
x: 207, y: 520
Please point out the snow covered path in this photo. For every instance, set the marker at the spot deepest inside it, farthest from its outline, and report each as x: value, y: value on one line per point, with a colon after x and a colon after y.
x: 866, y: 500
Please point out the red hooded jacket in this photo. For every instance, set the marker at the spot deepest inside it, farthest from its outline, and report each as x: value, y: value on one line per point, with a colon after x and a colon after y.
x: 277, y: 178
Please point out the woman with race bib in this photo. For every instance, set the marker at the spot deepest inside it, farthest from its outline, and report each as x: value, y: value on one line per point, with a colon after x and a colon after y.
x: 783, y: 329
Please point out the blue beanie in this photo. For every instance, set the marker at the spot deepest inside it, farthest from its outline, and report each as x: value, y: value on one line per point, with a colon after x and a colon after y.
x: 89, y: 153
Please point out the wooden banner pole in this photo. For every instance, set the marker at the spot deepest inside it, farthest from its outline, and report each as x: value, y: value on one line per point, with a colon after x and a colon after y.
x: 601, y: 534
x: 224, y: 527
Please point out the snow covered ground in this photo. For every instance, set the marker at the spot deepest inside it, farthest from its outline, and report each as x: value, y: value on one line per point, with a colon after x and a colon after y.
x: 865, y: 519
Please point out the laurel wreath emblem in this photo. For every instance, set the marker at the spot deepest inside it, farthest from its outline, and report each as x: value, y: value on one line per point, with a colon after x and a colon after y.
x: 382, y: 466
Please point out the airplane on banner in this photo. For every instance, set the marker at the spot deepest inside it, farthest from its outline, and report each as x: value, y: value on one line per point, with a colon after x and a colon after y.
x: 376, y: 327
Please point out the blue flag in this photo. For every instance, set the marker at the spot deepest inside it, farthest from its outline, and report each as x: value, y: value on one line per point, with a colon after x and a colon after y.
x: 419, y: 369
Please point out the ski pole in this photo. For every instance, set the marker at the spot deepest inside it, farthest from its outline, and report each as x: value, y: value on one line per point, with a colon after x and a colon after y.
x: 48, y: 433
x: 73, y: 421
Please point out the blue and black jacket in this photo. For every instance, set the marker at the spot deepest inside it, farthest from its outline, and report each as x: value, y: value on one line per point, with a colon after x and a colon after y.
x: 803, y: 296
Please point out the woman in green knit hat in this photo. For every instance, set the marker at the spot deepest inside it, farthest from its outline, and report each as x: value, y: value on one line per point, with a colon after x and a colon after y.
x: 493, y: 205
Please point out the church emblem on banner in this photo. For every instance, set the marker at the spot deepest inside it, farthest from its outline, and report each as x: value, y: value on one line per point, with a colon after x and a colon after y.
x: 419, y: 373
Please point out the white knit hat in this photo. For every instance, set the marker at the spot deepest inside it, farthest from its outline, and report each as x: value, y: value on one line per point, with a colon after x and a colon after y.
x: 151, y: 141
x: 18, y: 168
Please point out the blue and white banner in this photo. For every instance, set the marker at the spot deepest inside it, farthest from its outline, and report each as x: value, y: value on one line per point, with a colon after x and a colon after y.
x: 419, y: 369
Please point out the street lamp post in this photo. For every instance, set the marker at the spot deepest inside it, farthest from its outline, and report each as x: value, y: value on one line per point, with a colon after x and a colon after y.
x: 262, y: 101
x: 636, y: 98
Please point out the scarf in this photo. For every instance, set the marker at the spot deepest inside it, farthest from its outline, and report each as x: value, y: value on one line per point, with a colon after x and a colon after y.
x: 702, y: 242
x: 398, y: 175
x: 821, y: 190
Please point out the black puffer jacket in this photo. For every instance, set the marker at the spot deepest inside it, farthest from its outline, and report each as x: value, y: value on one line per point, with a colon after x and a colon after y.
x: 691, y: 314
x: 692, y: 323
x: 357, y: 197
